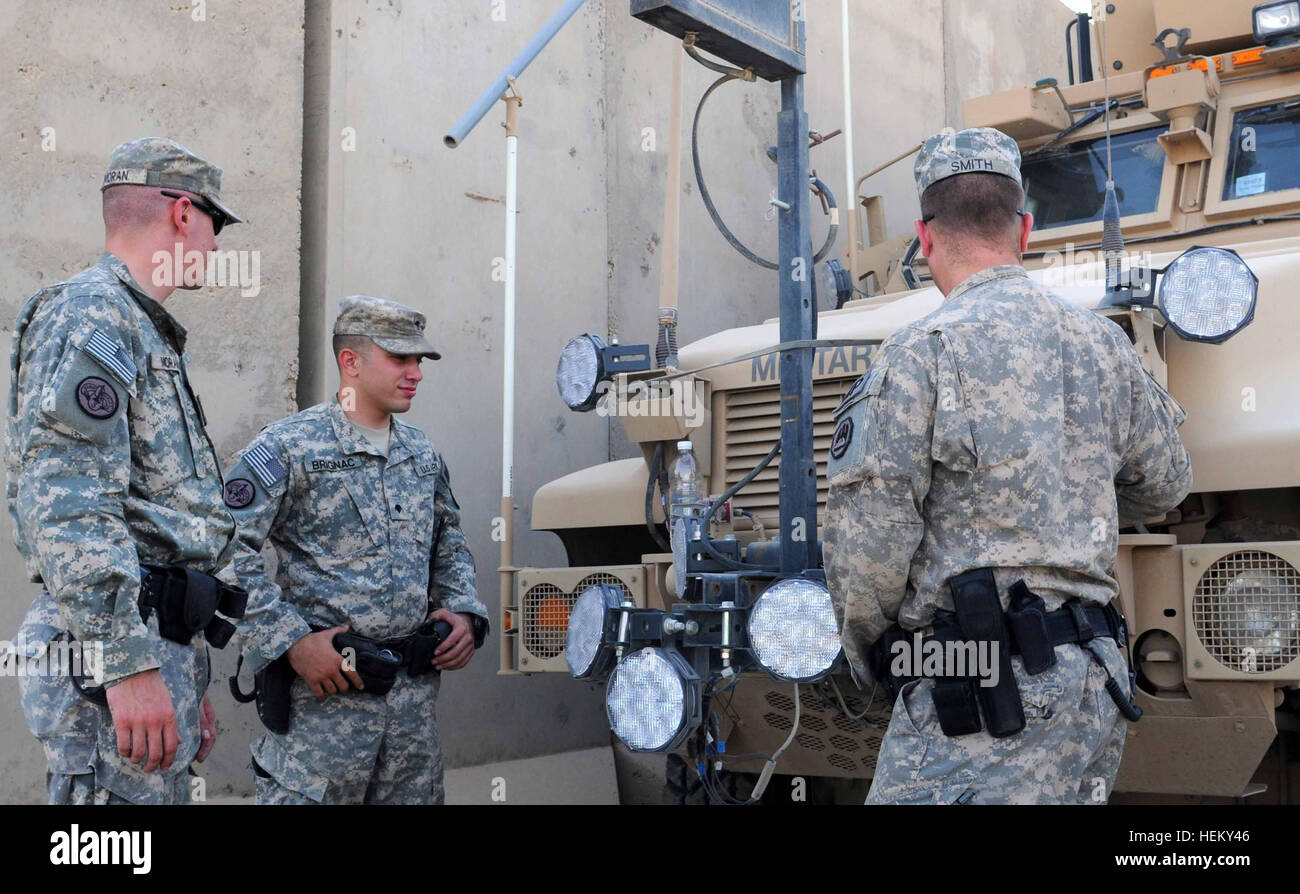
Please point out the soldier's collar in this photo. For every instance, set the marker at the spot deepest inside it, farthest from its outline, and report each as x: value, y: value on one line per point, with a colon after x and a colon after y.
x: 164, y: 321
x: 1002, y: 271
x: 399, y: 448
x: 350, y: 440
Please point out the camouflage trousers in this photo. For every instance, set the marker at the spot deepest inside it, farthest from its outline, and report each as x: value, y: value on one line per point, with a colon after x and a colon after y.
x: 1068, y: 752
x: 354, y: 748
x: 80, y: 790
x: 78, y: 736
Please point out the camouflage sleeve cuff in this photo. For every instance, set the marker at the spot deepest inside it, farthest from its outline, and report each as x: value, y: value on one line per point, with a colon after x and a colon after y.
x: 272, y: 642
x: 129, y: 655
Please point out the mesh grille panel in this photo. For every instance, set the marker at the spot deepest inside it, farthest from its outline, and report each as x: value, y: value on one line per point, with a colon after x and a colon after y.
x: 841, y: 762
x: 811, y: 742
x: 776, y: 721
x: 753, y: 425
x: 546, y: 610
x: 546, y: 619
x: 1246, y: 611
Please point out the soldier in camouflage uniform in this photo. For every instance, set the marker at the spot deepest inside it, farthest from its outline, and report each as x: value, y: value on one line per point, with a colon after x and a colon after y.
x: 109, y: 466
x: 1007, y: 429
x: 367, y: 532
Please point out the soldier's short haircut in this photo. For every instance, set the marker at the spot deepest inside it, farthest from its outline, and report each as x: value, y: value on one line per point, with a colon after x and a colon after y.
x: 975, y: 206
x: 129, y: 206
x: 359, y: 343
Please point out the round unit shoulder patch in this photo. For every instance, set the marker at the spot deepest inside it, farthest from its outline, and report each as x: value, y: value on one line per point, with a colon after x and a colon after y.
x: 238, y: 493
x: 842, y: 438
x: 96, y: 397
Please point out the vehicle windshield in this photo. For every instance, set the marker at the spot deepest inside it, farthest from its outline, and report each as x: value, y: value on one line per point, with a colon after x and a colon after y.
x: 1265, y: 145
x: 1067, y: 185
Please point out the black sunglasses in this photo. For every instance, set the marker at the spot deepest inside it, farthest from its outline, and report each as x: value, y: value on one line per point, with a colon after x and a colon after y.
x: 212, y: 211
x: 930, y: 217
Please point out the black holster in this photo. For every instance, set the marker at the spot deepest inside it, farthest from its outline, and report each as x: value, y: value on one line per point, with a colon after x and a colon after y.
x: 187, y: 602
x: 376, y: 665
x: 423, y: 643
x: 271, y: 690
x: 979, y: 615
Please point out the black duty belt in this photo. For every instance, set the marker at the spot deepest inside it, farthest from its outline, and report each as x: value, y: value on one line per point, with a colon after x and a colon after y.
x: 1026, y: 629
x: 376, y: 661
x: 186, y: 603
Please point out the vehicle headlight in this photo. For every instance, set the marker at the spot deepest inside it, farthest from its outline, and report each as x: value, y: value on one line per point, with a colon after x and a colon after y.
x: 1277, y: 24
x: 792, y: 630
x: 1262, y: 612
x: 653, y: 700
x: 586, y: 647
x: 580, y: 370
x: 1208, y: 294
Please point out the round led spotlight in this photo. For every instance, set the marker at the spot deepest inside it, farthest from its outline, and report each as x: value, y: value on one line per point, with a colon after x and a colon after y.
x: 580, y: 370
x: 653, y: 700
x: 585, y: 647
x: 1208, y: 294
x: 792, y: 630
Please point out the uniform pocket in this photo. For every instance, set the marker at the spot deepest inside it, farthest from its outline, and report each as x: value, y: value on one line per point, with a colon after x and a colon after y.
x: 333, y: 522
x: 277, y: 763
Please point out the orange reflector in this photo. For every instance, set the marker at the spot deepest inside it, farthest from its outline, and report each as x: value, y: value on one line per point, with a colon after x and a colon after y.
x: 553, y: 614
x: 1243, y: 57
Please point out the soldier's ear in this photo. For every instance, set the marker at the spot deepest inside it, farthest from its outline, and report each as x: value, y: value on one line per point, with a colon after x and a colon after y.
x: 924, y: 234
x: 1026, y: 227
x: 349, y: 360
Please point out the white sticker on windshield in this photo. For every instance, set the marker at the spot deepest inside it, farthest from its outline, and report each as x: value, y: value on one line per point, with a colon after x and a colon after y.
x: 1251, y: 184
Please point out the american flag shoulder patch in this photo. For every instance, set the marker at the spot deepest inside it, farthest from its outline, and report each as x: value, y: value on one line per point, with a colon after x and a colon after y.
x: 268, y: 469
x: 112, y: 356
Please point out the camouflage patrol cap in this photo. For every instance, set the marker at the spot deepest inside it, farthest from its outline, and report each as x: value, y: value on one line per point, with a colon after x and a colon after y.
x: 976, y: 150
x: 155, y: 161
x: 395, y: 327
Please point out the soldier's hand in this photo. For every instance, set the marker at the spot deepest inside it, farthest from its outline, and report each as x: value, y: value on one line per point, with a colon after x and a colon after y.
x: 207, y: 730
x: 320, y: 664
x: 458, y: 648
x: 145, y: 720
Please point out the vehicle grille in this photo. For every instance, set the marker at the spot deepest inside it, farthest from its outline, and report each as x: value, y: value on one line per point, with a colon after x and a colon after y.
x: 1246, y: 611
x: 753, y: 425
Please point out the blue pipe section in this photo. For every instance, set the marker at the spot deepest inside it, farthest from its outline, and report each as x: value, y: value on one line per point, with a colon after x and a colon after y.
x: 492, y: 95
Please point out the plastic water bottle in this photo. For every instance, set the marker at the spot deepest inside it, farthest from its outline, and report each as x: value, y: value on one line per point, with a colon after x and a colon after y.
x: 687, y: 505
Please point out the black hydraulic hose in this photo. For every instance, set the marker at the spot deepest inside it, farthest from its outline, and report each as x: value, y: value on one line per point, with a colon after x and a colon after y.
x: 651, y: 480
x: 708, y: 199
x: 713, y: 507
x: 704, y: 190
x: 834, y: 228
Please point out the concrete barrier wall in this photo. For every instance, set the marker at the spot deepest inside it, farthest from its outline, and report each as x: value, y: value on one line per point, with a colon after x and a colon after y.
x: 357, y: 118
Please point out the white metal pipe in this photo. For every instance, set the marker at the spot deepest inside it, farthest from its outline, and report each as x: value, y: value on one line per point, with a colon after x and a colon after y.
x: 851, y: 190
x: 508, y: 382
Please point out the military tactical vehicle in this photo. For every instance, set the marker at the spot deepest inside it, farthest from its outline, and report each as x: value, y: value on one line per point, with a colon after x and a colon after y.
x: 1202, y: 101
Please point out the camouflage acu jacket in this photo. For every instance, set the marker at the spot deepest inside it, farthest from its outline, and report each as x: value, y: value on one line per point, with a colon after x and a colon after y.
x: 107, y: 459
x: 354, y: 533
x: 1008, y: 428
